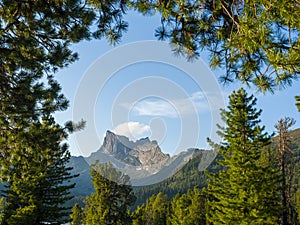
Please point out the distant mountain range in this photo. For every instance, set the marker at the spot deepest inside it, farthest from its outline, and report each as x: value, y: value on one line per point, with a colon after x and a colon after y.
x: 142, y: 160
x: 176, y: 174
x: 191, y: 174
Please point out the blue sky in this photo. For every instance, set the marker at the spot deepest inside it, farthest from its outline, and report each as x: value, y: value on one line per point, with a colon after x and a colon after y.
x: 138, y: 88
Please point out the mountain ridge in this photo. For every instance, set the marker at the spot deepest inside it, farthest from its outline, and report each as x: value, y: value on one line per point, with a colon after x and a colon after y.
x: 142, y: 160
x: 187, y: 176
x: 142, y: 152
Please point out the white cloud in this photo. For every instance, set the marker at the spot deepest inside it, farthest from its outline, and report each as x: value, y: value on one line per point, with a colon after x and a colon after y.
x: 133, y: 130
x: 198, y: 102
x: 155, y: 108
x: 207, y: 101
x: 198, y: 96
x: 174, y: 108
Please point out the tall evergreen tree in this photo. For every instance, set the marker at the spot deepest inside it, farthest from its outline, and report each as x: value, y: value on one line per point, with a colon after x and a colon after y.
x: 113, y: 195
x: 37, y: 179
x: 35, y: 42
x: 287, y: 163
x: 246, y: 190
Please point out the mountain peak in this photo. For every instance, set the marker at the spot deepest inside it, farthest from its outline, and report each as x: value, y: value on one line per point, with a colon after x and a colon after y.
x: 142, y: 152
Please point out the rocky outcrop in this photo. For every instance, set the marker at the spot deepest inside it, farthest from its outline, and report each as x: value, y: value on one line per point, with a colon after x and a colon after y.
x: 142, y: 160
x: 140, y: 153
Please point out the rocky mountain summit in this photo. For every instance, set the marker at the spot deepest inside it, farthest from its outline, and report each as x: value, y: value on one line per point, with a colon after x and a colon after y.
x: 143, y: 160
x: 141, y: 153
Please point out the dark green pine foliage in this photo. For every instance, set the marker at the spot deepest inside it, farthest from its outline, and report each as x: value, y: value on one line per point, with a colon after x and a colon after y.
x: 112, y: 197
x: 35, y: 39
x: 256, y: 42
x: 247, y: 190
x: 154, y: 212
x: 37, y: 181
x: 35, y: 42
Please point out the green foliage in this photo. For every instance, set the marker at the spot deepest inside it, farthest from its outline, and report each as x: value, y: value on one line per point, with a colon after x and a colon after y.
x: 287, y: 163
x: 35, y: 43
x: 35, y: 173
x: 186, y: 178
x: 185, y: 209
x: 256, y: 42
x: 76, y: 215
x: 246, y: 191
x: 298, y: 203
x: 2, y: 208
x: 113, y: 195
x: 153, y: 212
x: 188, y: 209
x: 35, y: 35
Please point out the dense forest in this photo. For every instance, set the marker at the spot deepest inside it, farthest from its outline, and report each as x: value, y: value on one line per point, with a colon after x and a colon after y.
x: 252, y: 181
x: 186, y: 178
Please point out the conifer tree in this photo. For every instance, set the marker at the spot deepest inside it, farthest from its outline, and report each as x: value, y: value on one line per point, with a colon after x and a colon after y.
x: 256, y: 42
x: 197, y: 209
x: 246, y: 191
x: 35, y: 43
x: 188, y: 209
x: 179, y: 209
x: 287, y: 160
x: 77, y: 215
x: 154, y: 212
x: 111, y: 199
x: 37, y: 181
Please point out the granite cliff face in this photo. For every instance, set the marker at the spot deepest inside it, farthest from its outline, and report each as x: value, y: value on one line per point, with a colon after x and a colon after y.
x: 141, y: 153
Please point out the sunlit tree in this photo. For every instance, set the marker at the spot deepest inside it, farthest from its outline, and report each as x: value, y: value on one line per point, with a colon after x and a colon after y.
x: 246, y: 190
x: 153, y: 212
x: 112, y: 198
x: 255, y: 42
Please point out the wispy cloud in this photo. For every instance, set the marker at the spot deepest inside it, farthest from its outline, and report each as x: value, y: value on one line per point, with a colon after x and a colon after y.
x: 208, y: 101
x: 198, y: 102
x: 155, y: 108
x: 133, y: 130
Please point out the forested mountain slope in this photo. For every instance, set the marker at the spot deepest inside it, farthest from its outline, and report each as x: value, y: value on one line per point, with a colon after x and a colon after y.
x: 190, y: 175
